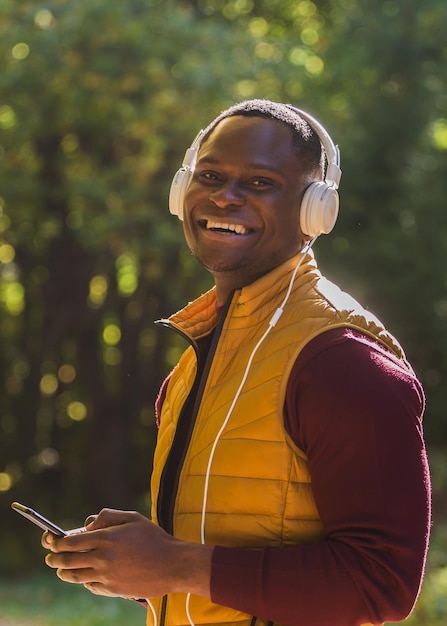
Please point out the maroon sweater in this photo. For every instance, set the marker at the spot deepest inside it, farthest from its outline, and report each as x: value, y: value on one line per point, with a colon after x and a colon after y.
x: 356, y: 413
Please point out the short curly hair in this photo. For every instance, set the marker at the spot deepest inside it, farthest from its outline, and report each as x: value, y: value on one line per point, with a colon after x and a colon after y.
x: 305, y: 140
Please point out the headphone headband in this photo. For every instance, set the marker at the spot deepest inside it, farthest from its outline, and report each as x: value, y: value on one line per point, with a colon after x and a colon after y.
x: 332, y: 153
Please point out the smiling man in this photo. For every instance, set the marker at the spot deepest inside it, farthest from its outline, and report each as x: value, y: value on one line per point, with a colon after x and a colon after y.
x: 290, y: 481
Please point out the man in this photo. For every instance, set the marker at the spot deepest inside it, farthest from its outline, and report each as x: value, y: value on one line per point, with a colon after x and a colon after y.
x: 290, y: 481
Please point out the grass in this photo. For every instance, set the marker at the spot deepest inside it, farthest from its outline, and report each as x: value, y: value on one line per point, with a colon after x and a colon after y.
x: 44, y: 600
x: 431, y: 608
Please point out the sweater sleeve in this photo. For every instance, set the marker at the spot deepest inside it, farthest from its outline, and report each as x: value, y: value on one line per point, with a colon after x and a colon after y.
x: 357, y: 414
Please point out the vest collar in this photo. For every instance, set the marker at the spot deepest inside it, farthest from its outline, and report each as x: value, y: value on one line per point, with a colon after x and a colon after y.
x: 270, y: 289
x: 200, y: 316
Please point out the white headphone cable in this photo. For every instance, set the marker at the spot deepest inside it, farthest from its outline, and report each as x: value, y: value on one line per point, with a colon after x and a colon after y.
x: 154, y: 614
x: 280, y: 310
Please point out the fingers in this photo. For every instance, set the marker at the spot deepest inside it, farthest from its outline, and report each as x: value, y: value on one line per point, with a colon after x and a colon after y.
x: 111, y: 542
x: 96, y: 588
x: 68, y: 560
x: 73, y: 556
x: 79, y: 538
x: 85, y: 576
x: 79, y: 542
x: 87, y: 539
x: 48, y: 538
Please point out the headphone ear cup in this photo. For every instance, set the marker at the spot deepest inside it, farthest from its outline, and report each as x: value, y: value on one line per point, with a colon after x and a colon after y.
x: 319, y: 209
x: 183, y: 177
x: 177, y: 192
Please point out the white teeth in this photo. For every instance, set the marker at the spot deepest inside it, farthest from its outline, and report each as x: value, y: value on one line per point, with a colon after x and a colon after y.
x: 235, y: 228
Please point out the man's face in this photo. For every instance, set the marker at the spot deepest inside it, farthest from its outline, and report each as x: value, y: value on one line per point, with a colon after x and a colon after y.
x: 241, y: 213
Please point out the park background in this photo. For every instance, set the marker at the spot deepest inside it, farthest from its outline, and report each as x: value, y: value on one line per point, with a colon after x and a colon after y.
x: 98, y: 102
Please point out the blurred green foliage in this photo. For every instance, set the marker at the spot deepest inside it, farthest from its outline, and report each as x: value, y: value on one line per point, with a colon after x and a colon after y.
x: 98, y: 101
x: 55, y: 603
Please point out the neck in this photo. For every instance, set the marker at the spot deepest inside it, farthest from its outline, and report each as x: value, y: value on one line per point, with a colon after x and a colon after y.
x: 227, y: 282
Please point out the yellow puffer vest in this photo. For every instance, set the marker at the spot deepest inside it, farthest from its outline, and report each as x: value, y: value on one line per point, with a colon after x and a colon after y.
x: 259, y: 490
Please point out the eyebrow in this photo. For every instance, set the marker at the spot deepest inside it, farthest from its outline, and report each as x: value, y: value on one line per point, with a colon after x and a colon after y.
x: 251, y: 166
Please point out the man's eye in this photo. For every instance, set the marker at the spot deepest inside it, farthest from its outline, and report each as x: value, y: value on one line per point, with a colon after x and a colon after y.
x: 261, y: 182
x: 208, y: 176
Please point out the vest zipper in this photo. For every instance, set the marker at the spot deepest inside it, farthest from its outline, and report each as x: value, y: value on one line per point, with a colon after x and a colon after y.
x: 164, y: 603
x: 197, y: 391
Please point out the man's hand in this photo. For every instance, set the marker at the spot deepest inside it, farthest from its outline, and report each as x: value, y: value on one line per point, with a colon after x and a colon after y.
x: 123, y: 554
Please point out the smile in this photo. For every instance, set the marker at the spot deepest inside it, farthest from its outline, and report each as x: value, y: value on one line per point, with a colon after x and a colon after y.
x: 223, y: 227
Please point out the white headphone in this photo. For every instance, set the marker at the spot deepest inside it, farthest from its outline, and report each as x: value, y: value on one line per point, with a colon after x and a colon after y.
x: 319, y: 207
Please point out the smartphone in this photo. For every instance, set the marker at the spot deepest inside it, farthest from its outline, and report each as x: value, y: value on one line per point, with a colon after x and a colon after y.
x: 38, y: 519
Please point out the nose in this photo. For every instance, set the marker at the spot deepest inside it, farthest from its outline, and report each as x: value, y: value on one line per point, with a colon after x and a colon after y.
x: 227, y: 194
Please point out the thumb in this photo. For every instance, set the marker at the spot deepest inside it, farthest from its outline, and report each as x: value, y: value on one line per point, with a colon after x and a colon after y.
x: 89, y: 520
x: 106, y: 518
